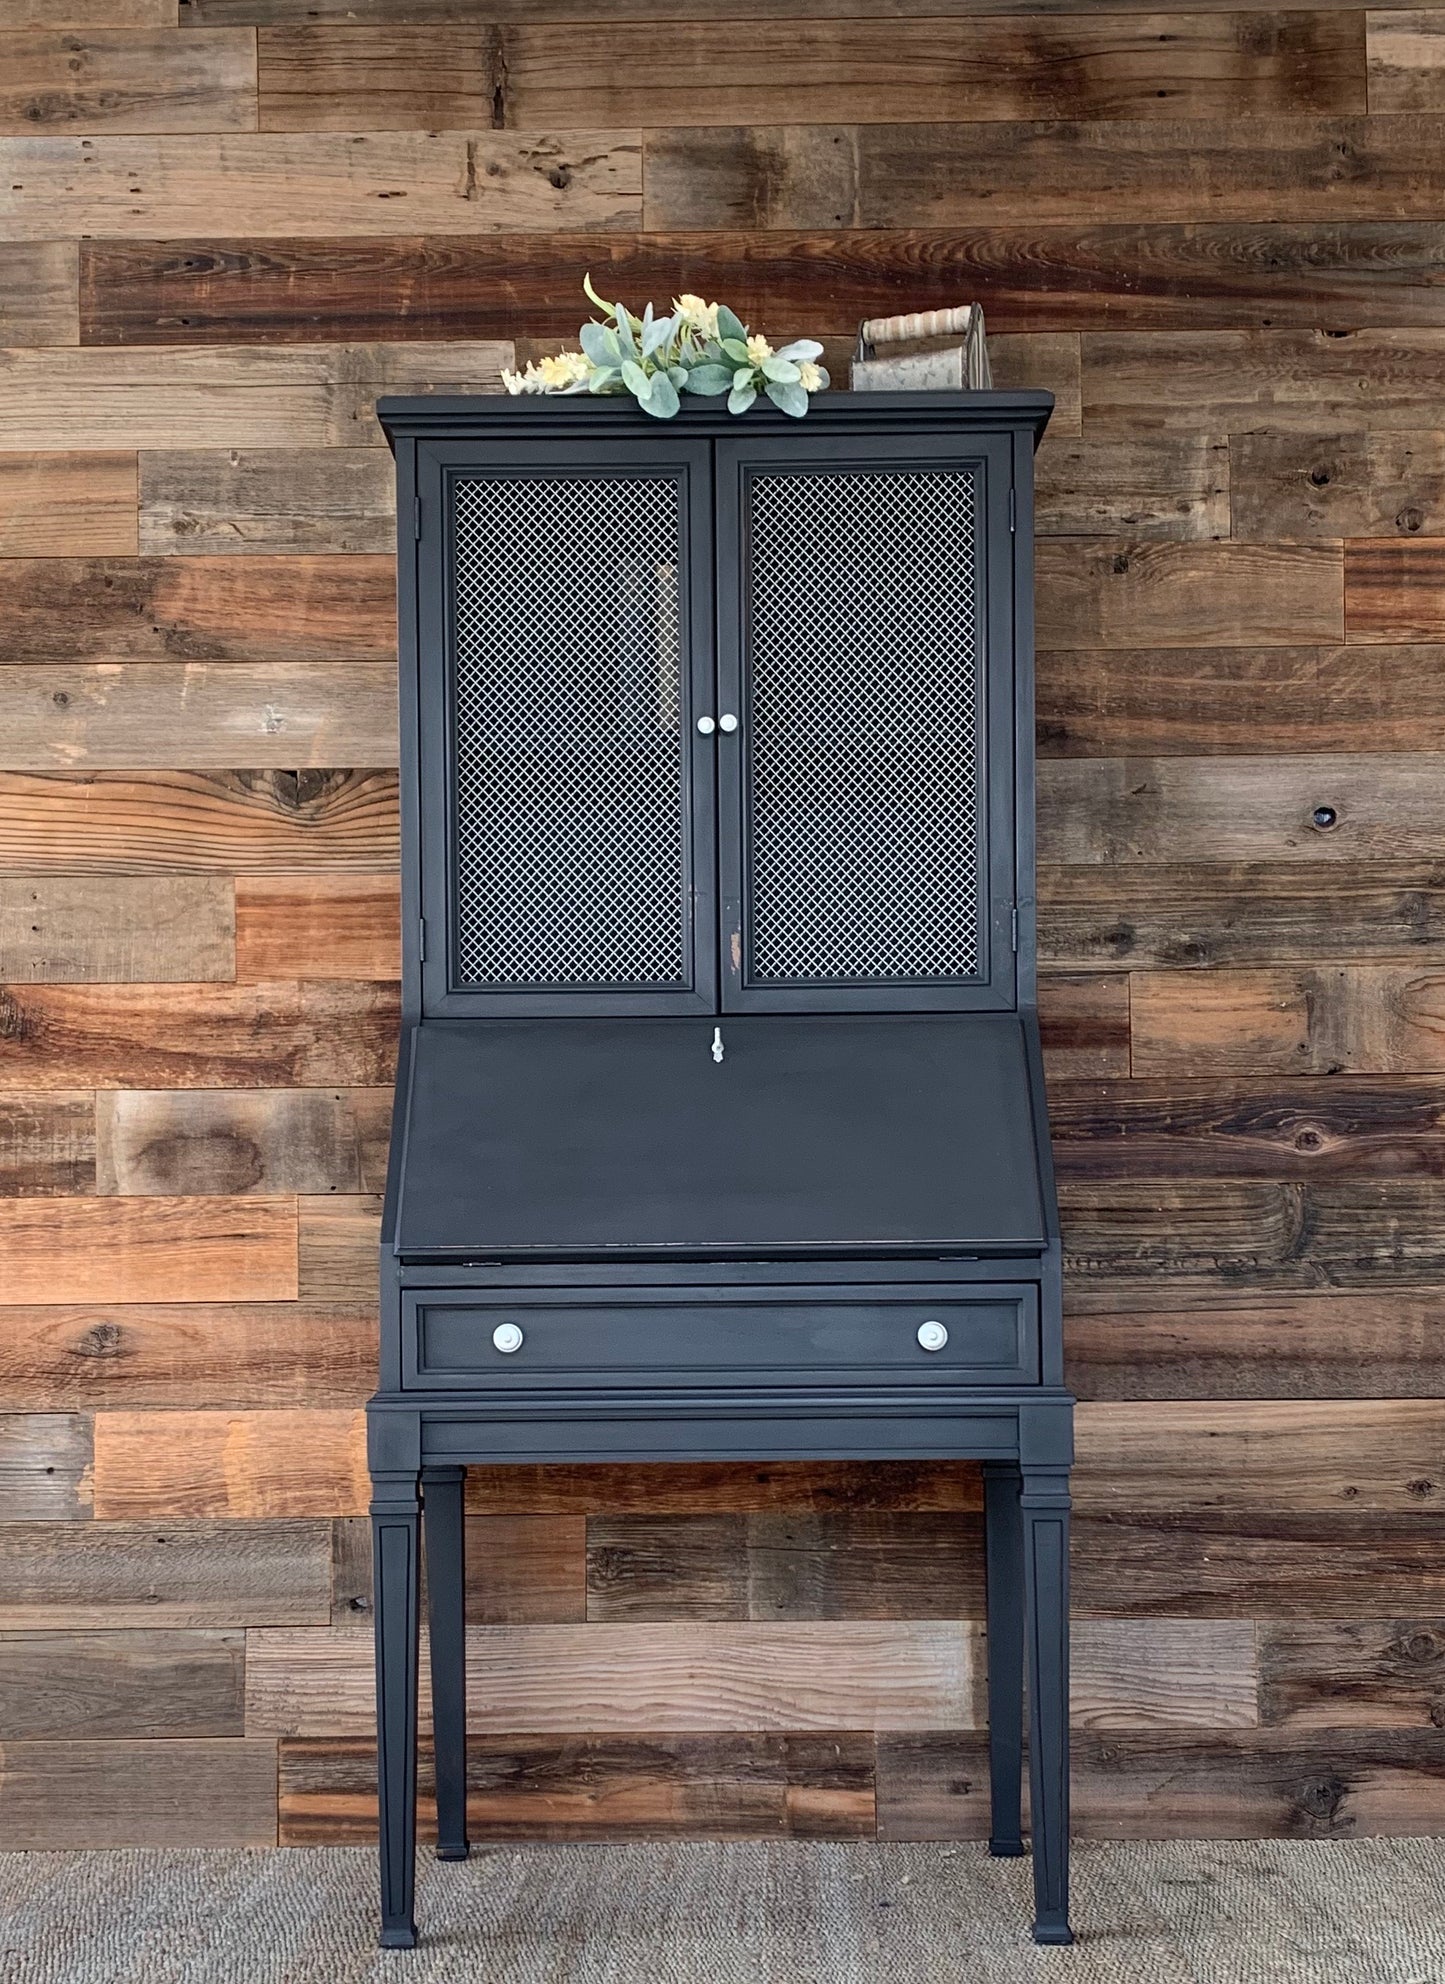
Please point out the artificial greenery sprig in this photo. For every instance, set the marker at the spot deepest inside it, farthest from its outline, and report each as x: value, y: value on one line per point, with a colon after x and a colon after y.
x: 700, y: 348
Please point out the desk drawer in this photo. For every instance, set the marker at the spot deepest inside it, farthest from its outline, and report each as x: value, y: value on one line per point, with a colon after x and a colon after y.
x: 549, y: 1339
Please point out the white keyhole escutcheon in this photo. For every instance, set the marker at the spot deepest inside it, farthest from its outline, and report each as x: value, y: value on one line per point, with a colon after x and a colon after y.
x: 506, y: 1337
x: 932, y: 1335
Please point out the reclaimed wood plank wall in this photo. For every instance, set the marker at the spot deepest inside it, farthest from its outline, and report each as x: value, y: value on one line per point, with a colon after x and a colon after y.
x: 1216, y: 234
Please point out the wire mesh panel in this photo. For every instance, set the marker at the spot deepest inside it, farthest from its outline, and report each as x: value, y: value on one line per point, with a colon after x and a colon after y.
x: 864, y: 725
x: 570, y: 832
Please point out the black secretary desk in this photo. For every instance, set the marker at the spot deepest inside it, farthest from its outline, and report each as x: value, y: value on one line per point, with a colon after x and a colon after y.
x: 720, y: 1125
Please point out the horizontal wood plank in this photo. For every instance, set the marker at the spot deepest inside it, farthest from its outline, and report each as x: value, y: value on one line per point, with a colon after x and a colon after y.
x: 241, y: 1142
x: 148, y: 1250
x: 68, y: 506
x: 1406, y: 56
x: 190, y: 822
x: 45, y: 1466
x: 1322, y: 1020
x: 340, y: 1235
x: 82, y: 1577
x: 47, y: 1144
x: 718, y: 1487
x: 126, y: 79
x: 109, y: 1686
x: 1100, y: 592
x: 1350, y: 484
x: 151, y: 1465
x: 1159, y: 485
x: 57, y: 929
x: 1084, y: 1022
x: 520, y: 1570
x: 318, y: 926
x: 1395, y: 590
x: 214, y: 503
x: 83, y: 1794
x: 1357, y: 1673
x: 38, y: 295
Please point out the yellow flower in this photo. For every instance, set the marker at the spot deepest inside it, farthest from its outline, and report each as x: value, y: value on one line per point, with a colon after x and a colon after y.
x: 759, y: 349
x: 810, y: 376
x: 699, y: 315
x: 568, y: 368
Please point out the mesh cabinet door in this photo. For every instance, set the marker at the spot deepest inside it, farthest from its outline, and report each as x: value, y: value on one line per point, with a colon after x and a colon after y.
x: 866, y: 649
x: 576, y: 805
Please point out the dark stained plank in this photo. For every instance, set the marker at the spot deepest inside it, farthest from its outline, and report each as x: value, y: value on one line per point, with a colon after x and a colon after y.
x: 189, y: 1793
x: 240, y: 1142
x: 1238, y: 914
x: 198, y: 1036
x: 1046, y: 361
x: 1108, y: 592
x: 1029, y: 174
x: 1158, y: 485
x: 56, y: 929
x: 318, y: 926
x: 667, y: 1567
x: 234, y: 822
x: 106, y: 1686
x: 67, y: 506
x: 47, y: 1146
x: 1324, y: 809
x: 521, y: 1570
x: 1258, y: 1564
x: 1124, y: 703
x: 1322, y: 1020
x: 1298, y: 380
x: 1351, y: 1127
x: 1271, y: 1454
x: 59, y: 1356
x: 1216, y: 1784
x: 1266, y: 1237
x: 1319, y: 1345
x: 735, y: 1784
x: 288, y: 609
x: 106, y: 79
x: 720, y: 1488
x: 251, y: 286
x: 1395, y: 591
x: 38, y: 293
x: 464, y: 13
x: 1351, y: 484
x: 702, y: 71
x: 45, y: 1466
x: 278, y: 185
x: 197, y: 502
x: 148, y: 1250
x: 1084, y: 1023
x: 270, y: 1465
x: 1406, y: 53
x: 1371, y: 1674
x: 82, y: 1577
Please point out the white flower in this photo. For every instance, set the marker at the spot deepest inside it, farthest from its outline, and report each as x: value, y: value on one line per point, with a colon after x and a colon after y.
x: 549, y: 375
x: 522, y: 382
x: 759, y: 349
x: 810, y: 376
x: 697, y: 314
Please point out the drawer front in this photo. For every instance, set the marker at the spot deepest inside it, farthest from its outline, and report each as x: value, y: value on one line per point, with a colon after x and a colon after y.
x: 551, y: 1339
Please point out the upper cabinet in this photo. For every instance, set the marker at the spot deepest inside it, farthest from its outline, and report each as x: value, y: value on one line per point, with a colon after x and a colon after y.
x: 712, y: 721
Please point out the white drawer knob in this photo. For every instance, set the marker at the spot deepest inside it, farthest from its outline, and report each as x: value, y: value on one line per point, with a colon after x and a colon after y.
x: 506, y: 1337
x: 932, y: 1336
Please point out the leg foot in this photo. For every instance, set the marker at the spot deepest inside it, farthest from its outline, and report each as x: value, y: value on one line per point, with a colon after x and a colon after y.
x: 445, y: 1531
x: 1007, y: 1849
x: 454, y: 1852
x: 1053, y: 1932
x: 401, y: 1936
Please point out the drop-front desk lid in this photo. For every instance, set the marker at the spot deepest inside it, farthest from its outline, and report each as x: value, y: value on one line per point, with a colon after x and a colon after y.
x: 584, y: 1136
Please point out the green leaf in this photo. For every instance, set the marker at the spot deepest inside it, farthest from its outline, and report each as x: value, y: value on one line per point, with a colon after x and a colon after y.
x: 730, y: 326
x: 600, y: 344
x: 737, y: 350
x: 663, y: 400
x: 636, y: 381
x: 709, y: 379
x: 741, y: 398
x: 781, y: 370
x: 656, y: 335
x: 744, y: 377
x: 801, y: 348
x: 823, y: 379
x: 678, y: 375
x: 605, y: 379
x: 625, y: 337
x: 592, y: 297
x: 791, y: 399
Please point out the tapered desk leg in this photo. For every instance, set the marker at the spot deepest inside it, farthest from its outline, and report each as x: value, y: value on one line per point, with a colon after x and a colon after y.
x: 446, y: 1623
x: 1004, y: 1560
x: 1045, y: 1512
x: 396, y: 1541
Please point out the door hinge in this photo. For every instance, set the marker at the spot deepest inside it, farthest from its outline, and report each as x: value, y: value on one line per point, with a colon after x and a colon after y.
x: 421, y: 939
x: 1013, y: 508
x: 416, y: 516
x: 1013, y: 929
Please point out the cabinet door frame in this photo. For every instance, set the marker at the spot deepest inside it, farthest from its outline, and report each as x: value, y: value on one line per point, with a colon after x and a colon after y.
x: 440, y: 464
x: 994, y: 987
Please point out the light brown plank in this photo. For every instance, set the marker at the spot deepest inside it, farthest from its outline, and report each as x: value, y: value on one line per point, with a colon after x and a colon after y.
x: 234, y: 1464
x: 234, y: 1143
x: 1355, y: 1019
x: 324, y: 926
x: 1326, y: 809
x: 59, y: 928
x: 680, y: 1676
x: 134, y: 715
x: 234, y: 822
x: 259, y: 500
x: 1358, y: 1454
x: 1406, y: 55
x: 1098, y: 592
x: 196, y: 1793
x: 1395, y: 591
x: 1159, y: 485
x: 1363, y: 1674
x: 47, y: 1146
x: 105, y: 1686
x: 148, y: 1250
x: 67, y: 506
x: 45, y: 1466
x: 230, y: 1355
x: 340, y: 1234
x: 198, y: 1036
x: 89, y: 14
x: 392, y: 13
x: 100, y: 79
x: 1164, y: 1674
x: 1351, y: 484
x: 1128, y: 702
x: 221, y: 396
x: 276, y: 185
x: 39, y: 300
x: 81, y: 1577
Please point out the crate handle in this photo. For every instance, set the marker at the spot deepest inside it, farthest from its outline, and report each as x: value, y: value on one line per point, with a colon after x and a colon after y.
x: 919, y: 324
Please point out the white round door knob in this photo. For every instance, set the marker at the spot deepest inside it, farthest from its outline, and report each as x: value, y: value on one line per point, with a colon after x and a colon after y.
x: 706, y: 725
x: 932, y: 1335
x: 506, y: 1337
x: 728, y: 724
